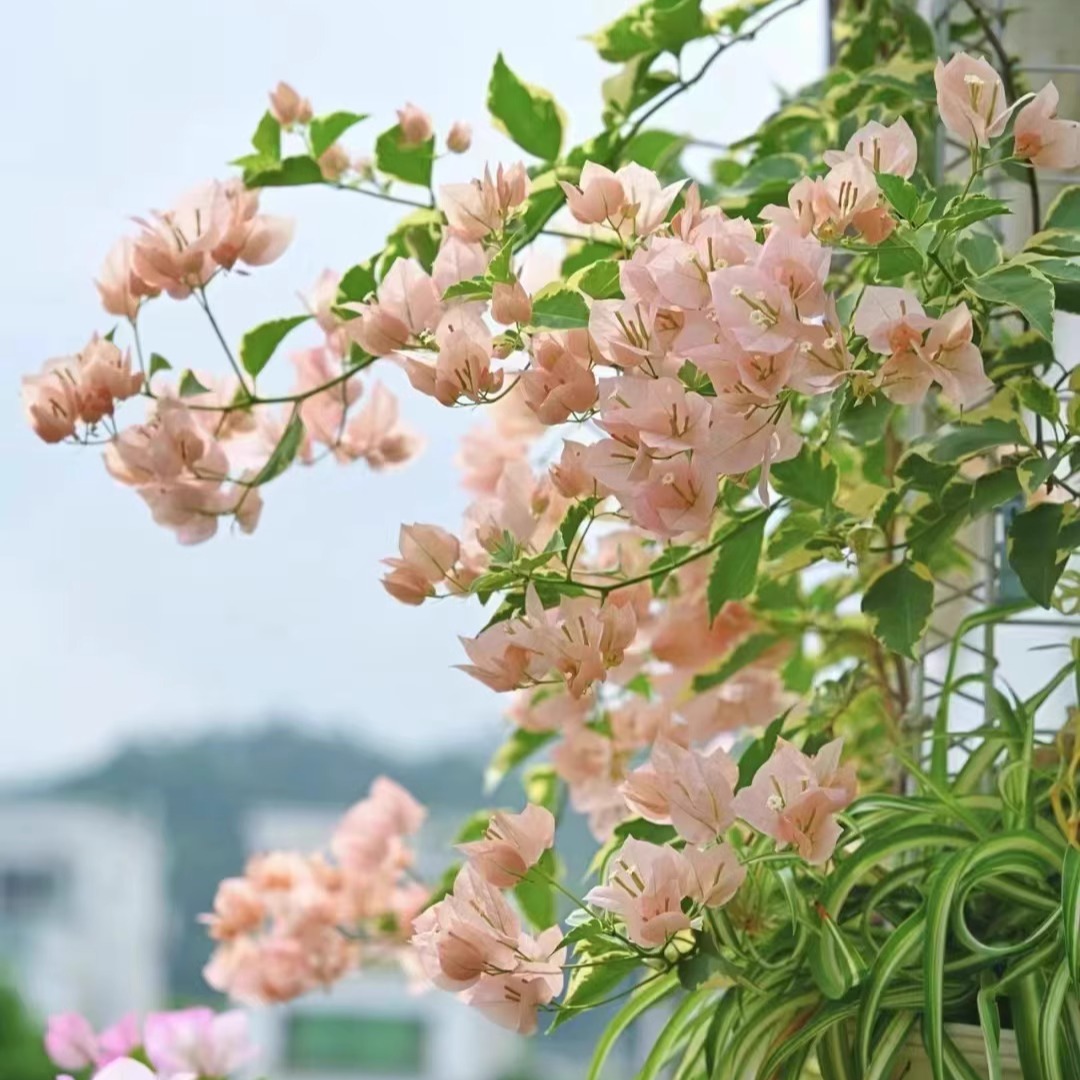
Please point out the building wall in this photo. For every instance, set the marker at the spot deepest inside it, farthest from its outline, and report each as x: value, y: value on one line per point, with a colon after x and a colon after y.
x: 82, y: 908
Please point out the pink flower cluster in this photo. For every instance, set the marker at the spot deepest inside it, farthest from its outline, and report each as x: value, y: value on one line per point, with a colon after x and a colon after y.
x: 921, y: 350
x: 648, y: 884
x: 296, y: 922
x: 178, y: 251
x: 971, y: 101
x: 577, y: 642
x: 472, y: 941
x: 793, y: 799
x: 187, y: 1043
x: 79, y: 389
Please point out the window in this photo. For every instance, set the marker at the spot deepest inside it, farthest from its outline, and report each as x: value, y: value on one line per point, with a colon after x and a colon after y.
x: 355, y: 1043
x: 27, y: 891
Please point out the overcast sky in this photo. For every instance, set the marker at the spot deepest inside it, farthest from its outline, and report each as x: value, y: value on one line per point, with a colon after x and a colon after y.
x: 111, y: 629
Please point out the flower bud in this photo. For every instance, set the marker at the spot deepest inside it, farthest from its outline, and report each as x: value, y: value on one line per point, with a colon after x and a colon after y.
x: 287, y: 107
x: 415, y: 125
x: 460, y: 138
x: 334, y: 162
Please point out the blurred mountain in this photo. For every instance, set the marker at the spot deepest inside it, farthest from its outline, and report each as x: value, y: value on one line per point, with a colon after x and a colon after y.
x: 201, y: 791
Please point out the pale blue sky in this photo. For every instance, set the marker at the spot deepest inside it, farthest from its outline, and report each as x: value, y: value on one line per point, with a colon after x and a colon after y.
x: 111, y: 629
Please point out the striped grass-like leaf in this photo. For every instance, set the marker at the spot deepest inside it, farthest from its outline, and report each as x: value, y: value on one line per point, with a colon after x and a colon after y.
x: 834, y: 1056
x: 758, y: 1030
x: 1070, y: 1022
x: 695, y: 1046
x: 938, y: 908
x: 1050, y: 1024
x: 826, y: 964
x: 1070, y: 913
x: 959, y: 1067
x: 888, y: 1045
x: 990, y: 1022
x: 1026, y: 997
x: 939, y: 752
x: 639, y: 1002
x: 902, y: 945
x: 675, y: 1030
x: 825, y: 1019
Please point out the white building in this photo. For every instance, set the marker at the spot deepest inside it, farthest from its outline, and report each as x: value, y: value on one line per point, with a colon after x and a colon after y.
x: 82, y: 908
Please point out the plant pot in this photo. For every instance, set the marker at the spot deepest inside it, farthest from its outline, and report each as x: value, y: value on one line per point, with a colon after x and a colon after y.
x: 914, y: 1064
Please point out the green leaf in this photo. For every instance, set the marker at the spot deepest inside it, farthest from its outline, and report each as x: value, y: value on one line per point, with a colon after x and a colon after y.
x: 536, y: 896
x: 590, y: 985
x: 632, y: 87
x: 900, y: 946
x: 410, y: 163
x: 1055, y: 242
x: 577, y: 513
x: 980, y: 251
x: 746, y: 652
x: 939, y: 910
x: 759, y: 751
x: 1033, y: 550
x: 158, y: 363
x: 190, y: 385
x: 960, y: 213
x: 556, y: 307
x: 285, y: 451
x: 640, y: 1001
x: 969, y: 439
x: 1022, y: 354
x: 326, y: 130
x: 1023, y: 288
x: 1070, y: 907
x: 1039, y: 397
x: 902, y: 194
x: 521, y: 745
x: 990, y: 1021
x: 732, y: 16
x: 585, y: 254
x: 474, y: 827
x: 1064, y: 211
x: 600, y: 280
x: 655, y: 150
x: 899, y: 602
x: 258, y: 345
x: 921, y: 474
x: 542, y: 786
x: 477, y: 288
x: 267, y: 137
x: 899, y: 255
x: 652, y: 27
x: 501, y: 267
x: 357, y: 283
x: 734, y: 571
x: 528, y: 114
x: 290, y: 172
x: 1057, y: 268
x: 811, y: 477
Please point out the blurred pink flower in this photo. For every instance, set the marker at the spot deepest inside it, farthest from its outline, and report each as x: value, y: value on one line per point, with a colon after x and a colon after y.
x: 415, y: 124
x: 287, y: 107
x: 198, y: 1040
x: 1042, y: 138
x: 459, y: 138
